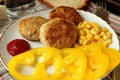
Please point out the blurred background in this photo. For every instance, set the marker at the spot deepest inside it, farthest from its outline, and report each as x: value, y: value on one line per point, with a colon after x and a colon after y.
x: 112, y: 5
x: 115, y: 8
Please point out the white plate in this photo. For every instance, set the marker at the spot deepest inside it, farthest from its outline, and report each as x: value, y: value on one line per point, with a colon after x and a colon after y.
x: 12, y: 33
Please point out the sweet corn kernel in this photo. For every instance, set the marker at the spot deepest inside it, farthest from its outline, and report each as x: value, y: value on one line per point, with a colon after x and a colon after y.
x: 85, y: 42
x: 88, y: 26
x: 82, y: 37
x: 98, y: 30
x: 85, y: 23
x: 109, y: 41
x: 109, y: 34
x: 89, y: 36
x: 82, y: 32
x: 97, y: 37
x: 92, y: 32
x: 102, y: 33
x: 104, y: 29
x: 105, y: 37
x: 94, y: 24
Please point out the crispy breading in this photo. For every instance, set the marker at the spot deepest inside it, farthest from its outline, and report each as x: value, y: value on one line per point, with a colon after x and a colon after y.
x: 29, y: 27
x: 77, y: 4
x: 58, y: 33
x: 67, y: 13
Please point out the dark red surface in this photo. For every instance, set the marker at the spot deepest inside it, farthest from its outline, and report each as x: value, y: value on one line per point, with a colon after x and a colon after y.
x: 17, y: 46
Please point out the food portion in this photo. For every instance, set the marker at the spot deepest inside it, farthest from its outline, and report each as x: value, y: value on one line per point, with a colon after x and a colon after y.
x: 29, y: 27
x: 75, y: 64
x: 81, y: 63
x: 65, y: 12
x: 97, y: 67
x: 48, y: 56
x: 17, y: 46
x: 77, y: 4
x: 90, y: 59
x: 92, y: 32
x: 59, y: 33
x: 101, y: 60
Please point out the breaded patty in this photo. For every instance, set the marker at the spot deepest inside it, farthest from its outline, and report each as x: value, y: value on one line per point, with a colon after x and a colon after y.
x: 67, y: 13
x: 29, y: 27
x: 58, y: 33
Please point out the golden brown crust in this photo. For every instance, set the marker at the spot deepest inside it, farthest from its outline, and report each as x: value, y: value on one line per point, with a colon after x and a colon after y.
x: 29, y: 27
x: 65, y: 12
x: 78, y: 7
x: 85, y: 6
x: 47, y: 3
x: 58, y: 33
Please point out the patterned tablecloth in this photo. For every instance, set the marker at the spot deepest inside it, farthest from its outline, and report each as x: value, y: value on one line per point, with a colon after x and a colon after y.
x: 115, y: 24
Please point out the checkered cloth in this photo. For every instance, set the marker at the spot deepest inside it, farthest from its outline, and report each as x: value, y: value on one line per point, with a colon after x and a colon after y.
x: 115, y: 24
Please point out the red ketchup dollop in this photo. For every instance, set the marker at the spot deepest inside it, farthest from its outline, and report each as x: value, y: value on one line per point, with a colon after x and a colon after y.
x: 17, y: 46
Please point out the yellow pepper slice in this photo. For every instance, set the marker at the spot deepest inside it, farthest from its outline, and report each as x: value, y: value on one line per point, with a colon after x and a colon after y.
x: 30, y: 58
x: 97, y: 66
x: 75, y: 63
x: 88, y: 62
x: 97, y: 61
x: 114, y: 57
